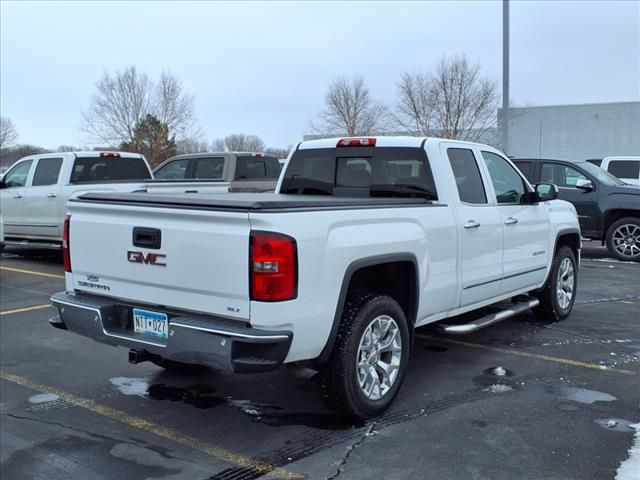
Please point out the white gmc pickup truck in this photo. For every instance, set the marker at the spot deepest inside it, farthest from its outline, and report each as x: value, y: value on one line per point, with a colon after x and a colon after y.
x: 365, y: 239
x: 35, y: 190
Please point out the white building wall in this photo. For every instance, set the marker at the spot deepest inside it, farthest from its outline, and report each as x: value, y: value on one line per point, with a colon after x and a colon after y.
x: 575, y: 132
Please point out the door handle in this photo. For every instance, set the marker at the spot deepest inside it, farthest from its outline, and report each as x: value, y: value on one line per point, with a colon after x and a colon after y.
x: 17, y: 195
x: 511, y: 221
x: 471, y: 224
x: 51, y: 195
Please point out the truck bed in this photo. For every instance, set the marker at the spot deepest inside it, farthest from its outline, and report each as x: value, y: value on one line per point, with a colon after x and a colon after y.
x: 247, y: 202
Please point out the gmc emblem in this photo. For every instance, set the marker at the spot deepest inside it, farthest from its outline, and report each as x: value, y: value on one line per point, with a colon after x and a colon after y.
x: 147, y: 258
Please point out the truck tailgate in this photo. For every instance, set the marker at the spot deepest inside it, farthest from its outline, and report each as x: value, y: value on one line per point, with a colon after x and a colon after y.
x: 200, y: 263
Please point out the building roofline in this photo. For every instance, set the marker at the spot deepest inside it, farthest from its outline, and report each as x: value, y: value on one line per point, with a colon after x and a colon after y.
x: 574, y: 105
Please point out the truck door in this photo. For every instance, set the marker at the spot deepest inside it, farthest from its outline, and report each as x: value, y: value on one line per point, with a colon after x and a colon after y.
x: 481, y: 230
x: 526, y: 226
x: 12, y: 193
x: 41, y: 199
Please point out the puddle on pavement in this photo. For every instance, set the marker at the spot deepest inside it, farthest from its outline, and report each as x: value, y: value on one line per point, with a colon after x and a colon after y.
x: 204, y: 397
x: 580, y: 395
x: 615, y: 424
x: 495, y: 379
x: 43, y: 398
x: 435, y: 348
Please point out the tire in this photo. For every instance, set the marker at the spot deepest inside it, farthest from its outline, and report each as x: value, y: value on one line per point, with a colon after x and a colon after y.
x: 559, y: 293
x: 340, y: 379
x: 623, y: 239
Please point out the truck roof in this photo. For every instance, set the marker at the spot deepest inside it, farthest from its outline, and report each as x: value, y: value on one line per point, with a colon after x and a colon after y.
x: 91, y: 153
x: 381, y: 141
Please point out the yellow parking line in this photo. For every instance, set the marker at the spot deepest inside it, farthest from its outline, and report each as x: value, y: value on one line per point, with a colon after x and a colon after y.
x: 520, y: 353
x: 31, y: 272
x: 160, y: 431
x: 25, y: 309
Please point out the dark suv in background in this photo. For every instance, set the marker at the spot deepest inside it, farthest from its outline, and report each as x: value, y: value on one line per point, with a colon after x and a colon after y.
x: 608, y: 209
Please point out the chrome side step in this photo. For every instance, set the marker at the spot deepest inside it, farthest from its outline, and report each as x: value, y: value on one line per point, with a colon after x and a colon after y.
x: 509, y: 311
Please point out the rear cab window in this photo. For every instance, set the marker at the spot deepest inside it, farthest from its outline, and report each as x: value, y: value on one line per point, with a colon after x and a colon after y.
x: 624, y: 168
x: 467, y: 176
x: 257, y: 167
x: 108, y: 169
x: 360, y: 171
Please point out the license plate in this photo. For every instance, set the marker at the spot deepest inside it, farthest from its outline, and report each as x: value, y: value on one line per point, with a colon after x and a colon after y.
x: 150, y: 323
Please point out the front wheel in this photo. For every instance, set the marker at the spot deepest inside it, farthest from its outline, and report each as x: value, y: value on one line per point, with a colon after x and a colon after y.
x: 559, y: 293
x: 369, y: 358
x: 623, y: 239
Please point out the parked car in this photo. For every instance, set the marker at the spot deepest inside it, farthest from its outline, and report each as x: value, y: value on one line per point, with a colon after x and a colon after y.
x: 235, y: 171
x: 366, y: 239
x: 35, y: 190
x: 608, y: 209
x: 626, y: 169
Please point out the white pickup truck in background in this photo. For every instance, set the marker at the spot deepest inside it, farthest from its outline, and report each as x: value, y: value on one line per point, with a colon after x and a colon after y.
x: 35, y: 190
x: 366, y: 239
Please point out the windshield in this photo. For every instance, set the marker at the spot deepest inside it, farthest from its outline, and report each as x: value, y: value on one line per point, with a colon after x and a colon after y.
x: 107, y: 169
x: 601, y: 175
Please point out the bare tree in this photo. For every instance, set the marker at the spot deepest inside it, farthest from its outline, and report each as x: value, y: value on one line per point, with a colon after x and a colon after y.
x: 350, y: 110
x: 415, y: 111
x: 464, y: 103
x: 123, y: 100
x: 218, y: 145
x: 8, y: 132
x: 191, y: 145
x: 279, y: 152
x: 239, y: 142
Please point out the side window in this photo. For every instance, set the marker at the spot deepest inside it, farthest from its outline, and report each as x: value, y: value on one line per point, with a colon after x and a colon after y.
x: 257, y: 167
x: 467, y: 173
x: 561, y: 175
x: 47, y: 171
x: 508, y: 184
x: 175, y: 170
x: 210, y: 168
x: 526, y: 169
x: 17, y: 176
x: 624, y: 168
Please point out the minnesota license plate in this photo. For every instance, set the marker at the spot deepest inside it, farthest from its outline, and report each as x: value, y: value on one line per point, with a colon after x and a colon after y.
x: 150, y: 323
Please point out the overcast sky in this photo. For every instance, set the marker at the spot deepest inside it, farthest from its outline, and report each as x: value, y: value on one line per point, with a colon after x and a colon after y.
x: 263, y: 67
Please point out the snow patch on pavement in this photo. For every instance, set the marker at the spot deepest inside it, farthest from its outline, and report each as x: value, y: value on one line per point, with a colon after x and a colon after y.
x: 499, y: 371
x: 498, y: 388
x: 630, y: 468
x: 131, y: 386
x: 43, y: 398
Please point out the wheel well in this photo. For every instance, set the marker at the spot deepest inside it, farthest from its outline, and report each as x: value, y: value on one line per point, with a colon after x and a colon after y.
x: 615, y: 215
x: 398, y: 280
x: 570, y: 239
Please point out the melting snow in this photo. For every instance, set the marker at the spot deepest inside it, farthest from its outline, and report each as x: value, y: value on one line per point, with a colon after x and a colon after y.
x: 131, y: 386
x: 499, y: 388
x: 630, y: 468
x: 43, y: 397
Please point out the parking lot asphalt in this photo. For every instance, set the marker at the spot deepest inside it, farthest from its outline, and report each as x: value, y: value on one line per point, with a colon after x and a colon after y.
x: 523, y: 399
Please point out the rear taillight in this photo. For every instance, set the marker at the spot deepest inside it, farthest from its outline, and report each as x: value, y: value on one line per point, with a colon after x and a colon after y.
x: 66, y: 251
x: 273, y: 267
x: 356, y: 142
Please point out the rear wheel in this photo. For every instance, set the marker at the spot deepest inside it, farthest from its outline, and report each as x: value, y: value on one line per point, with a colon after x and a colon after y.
x: 369, y: 358
x: 623, y: 239
x: 559, y: 293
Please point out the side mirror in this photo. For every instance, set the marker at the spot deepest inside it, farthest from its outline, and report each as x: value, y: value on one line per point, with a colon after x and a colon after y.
x: 585, y: 185
x: 546, y: 192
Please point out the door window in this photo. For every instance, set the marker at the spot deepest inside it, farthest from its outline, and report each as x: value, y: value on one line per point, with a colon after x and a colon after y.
x: 175, y: 170
x: 561, y: 175
x: 467, y: 174
x: 17, y: 176
x: 47, y: 171
x: 507, y: 182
